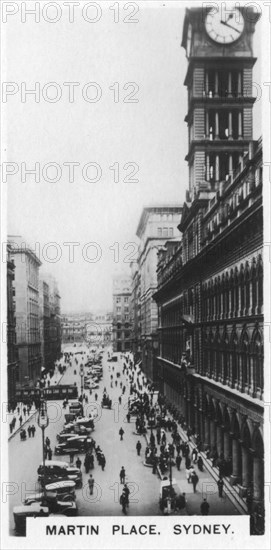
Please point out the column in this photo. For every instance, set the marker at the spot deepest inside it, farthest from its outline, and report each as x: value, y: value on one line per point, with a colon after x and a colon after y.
x: 206, y: 432
x: 239, y: 84
x: 229, y: 84
x: 227, y: 445
x: 216, y: 125
x: 240, y: 131
x: 217, y: 168
x: 235, y: 477
x: 207, y: 132
x: 258, y: 479
x: 207, y: 167
x: 212, y: 434
x: 230, y: 165
x: 216, y: 83
x: 245, y: 467
x: 219, y: 440
x: 230, y: 125
x: 206, y: 83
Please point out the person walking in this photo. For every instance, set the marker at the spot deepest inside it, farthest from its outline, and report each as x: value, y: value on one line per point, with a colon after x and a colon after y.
x: 33, y: 430
x: 121, y: 433
x: 126, y: 492
x: 20, y: 419
x: 102, y: 462
x: 220, y: 485
x: 122, y: 475
x: 29, y: 431
x: 205, y: 507
x: 123, y: 502
x: 78, y: 463
x: 194, y: 479
x: 138, y: 447
x: 91, y: 484
x: 49, y: 453
x: 195, y: 455
x: 178, y: 462
x: 128, y: 416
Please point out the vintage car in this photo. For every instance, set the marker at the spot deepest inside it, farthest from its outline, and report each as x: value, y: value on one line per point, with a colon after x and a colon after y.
x: 20, y: 513
x: 75, y: 407
x: 169, y: 496
x: 75, y: 444
x: 53, y: 501
x: 58, y: 470
x: 64, y: 489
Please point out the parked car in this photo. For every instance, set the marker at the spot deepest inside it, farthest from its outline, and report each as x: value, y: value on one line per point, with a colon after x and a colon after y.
x: 169, y: 493
x: 58, y: 470
x: 20, y: 513
x: 75, y: 444
x: 65, y: 489
x: 53, y: 502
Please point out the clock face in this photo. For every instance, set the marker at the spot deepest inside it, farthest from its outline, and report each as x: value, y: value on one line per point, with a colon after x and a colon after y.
x: 224, y: 26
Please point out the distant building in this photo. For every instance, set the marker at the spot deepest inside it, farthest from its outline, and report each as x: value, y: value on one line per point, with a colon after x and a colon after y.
x: 26, y: 286
x: 157, y: 225
x: 12, y: 354
x: 121, y: 332
x: 55, y: 336
x: 74, y: 326
x: 99, y: 330
x: 44, y: 311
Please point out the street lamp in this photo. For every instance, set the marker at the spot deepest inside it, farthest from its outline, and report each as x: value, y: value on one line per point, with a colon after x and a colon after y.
x: 82, y: 380
x: 43, y: 421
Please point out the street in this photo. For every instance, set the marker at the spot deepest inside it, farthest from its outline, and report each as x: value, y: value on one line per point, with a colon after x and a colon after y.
x: 25, y: 457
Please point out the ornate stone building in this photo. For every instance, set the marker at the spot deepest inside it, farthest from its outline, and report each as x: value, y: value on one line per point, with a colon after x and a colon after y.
x: 12, y: 354
x: 121, y: 323
x: 210, y: 291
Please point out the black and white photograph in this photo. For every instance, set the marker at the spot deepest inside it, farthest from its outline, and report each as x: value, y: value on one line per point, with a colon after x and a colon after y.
x: 135, y: 237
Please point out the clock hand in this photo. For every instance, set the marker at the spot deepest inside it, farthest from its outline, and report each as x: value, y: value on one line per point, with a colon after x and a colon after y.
x: 230, y: 26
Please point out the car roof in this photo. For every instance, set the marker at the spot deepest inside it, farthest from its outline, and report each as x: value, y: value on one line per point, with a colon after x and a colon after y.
x: 56, y: 463
x: 60, y: 485
x: 35, y: 507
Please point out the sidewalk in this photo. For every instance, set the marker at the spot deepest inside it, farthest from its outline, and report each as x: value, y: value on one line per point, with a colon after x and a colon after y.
x: 230, y: 504
x: 54, y: 380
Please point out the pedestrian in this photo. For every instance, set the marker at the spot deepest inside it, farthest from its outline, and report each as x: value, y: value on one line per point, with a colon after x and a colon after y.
x: 205, y: 507
x: 29, y: 431
x: 138, y: 447
x: 194, y: 479
x: 195, y: 455
x: 200, y: 464
x: 91, y: 484
x: 33, y: 430
x: 20, y: 419
x: 122, y: 475
x: 18, y: 410
x: 47, y: 441
x: 78, y: 463
x: 123, y: 502
x: 121, y: 432
x: 71, y: 457
x: 96, y: 396
x: 178, y: 462
x: 50, y: 453
x: 128, y: 416
x: 120, y: 399
x: 126, y: 492
x: 24, y: 411
x: 220, y: 485
x: 102, y: 462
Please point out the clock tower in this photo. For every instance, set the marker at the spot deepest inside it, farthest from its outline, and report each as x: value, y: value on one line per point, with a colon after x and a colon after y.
x: 218, y: 44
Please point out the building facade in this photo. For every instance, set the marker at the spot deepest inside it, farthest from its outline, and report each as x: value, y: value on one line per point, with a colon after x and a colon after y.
x: 44, y: 313
x: 121, y: 324
x: 99, y: 330
x: 135, y: 305
x: 12, y: 355
x: 26, y: 286
x: 210, y: 291
x: 55, y: 332
x: 156, y: 226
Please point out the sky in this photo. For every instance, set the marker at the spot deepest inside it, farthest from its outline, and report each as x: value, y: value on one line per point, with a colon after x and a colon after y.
x: 143, y: 141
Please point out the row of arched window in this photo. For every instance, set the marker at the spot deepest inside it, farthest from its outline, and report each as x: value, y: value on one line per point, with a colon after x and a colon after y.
x: 234, y: 294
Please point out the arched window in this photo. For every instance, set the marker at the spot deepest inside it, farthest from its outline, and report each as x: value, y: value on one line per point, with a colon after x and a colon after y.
x: 234, y: 359
x: 260, y: 284
x: 242, y: 290
x: 236, y: 292
x: 244, y: 375
x: 254, y: 285
x: 247, y: 288
x: 257, y: 362
x: 232, y: 293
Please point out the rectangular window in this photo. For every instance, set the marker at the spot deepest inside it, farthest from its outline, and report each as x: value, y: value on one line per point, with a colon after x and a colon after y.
x: 165, y: 232
x: 159, y: 231
x: 170, y: 234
